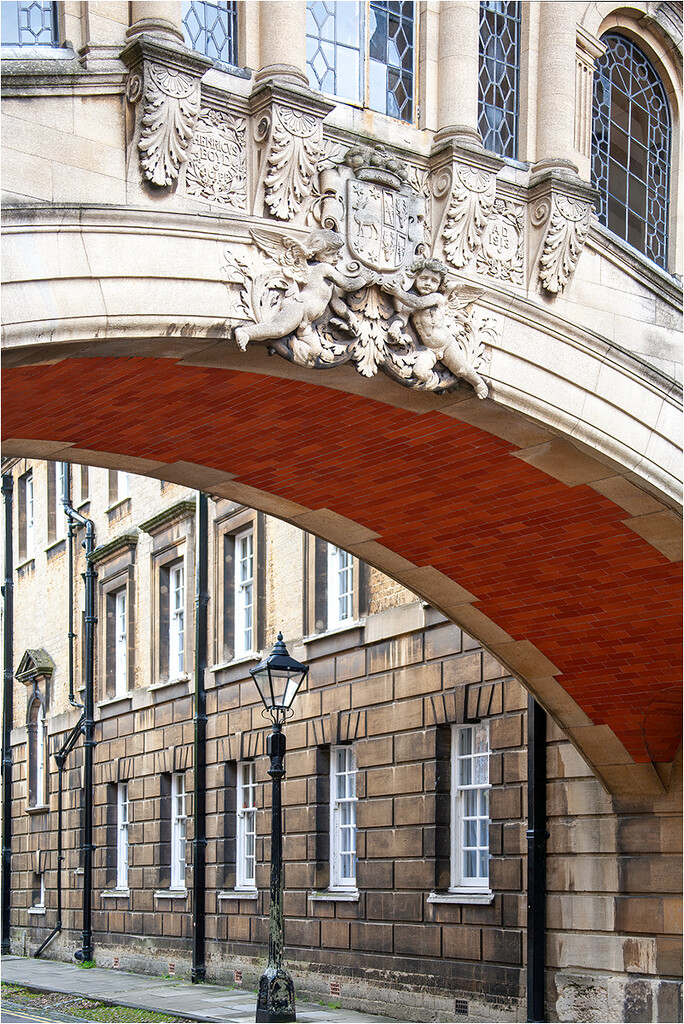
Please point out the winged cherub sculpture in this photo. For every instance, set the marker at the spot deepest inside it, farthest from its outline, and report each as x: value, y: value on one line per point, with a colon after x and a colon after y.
x: 436, y: 316
x: 311, y: 284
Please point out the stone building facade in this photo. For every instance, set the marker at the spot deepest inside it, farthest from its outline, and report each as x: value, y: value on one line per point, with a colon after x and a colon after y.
x: 173, y: 184
x: 394, y: 685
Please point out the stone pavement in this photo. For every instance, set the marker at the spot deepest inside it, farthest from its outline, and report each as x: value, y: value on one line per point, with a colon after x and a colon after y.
x: 210, y: 1003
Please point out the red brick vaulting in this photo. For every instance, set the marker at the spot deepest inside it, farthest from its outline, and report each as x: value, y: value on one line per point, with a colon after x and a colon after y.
x: 548, y: 563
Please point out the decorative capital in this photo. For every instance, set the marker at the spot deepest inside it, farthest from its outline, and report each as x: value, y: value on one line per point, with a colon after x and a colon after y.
x: 566, y: 212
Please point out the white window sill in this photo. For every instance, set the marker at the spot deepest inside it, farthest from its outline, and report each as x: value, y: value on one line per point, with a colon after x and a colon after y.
x: 37, y: 911
x: 238, y: 894
x: 334, y: 630
x: 240, y: 660
x: 118, y: 504
x: 169, y: 682
x: 484, y: 896
x: 55, y: 544
x: 335, y: 895
x: 171, y: 894
x: 27, y: 563
x: 112, y: 894
x: 108, y: 701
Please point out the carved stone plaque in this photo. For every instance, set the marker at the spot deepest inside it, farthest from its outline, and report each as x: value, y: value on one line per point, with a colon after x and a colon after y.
x: 378, y: 225
x: 502, y: 247
x: 216, y: 169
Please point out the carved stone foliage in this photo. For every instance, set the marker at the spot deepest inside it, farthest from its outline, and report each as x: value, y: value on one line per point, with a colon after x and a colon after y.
x: 295, y: 150
x: 502, y: 250
x: 470, y: 205
x: 569, y: 223
x: 170, y: 108
x: 216, y: 170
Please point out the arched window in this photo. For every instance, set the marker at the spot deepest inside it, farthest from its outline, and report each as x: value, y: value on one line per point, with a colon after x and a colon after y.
x: 631, y: 147
x: 211, y: 29
x: 37, y: 749
x: 499, y: 76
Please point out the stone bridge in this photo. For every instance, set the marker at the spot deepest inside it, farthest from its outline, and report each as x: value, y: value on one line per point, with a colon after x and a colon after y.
x: 543, y: 518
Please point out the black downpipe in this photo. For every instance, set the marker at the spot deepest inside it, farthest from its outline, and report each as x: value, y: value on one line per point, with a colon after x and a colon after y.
x: 88, y: 724
x: 536, y: 859
x: 7, y: 713
x: 198, y: 973
x: 71, y: 634
x: 60, y: 758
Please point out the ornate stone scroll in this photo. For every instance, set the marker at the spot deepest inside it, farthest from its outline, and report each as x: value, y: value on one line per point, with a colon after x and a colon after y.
x: 164, y: 83
x: 216, y: 169
x: 569, y: 223
x: 472, y: 198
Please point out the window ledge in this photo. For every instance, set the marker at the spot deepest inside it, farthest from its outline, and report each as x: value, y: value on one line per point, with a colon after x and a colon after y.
x: 118, y: 505
x: 114, y: 893
x: 13, y: 51
x: 27, y: 563
x: 54, y: 545
x: 462, y: 896
x: 171, y: 894
x: 238, y: 894
x: 335, y: 895
x: 240, y: 660
x: 38, y: 809
x: 169, y: 682
x: 37, y: 911
x: 109, y: 701
x: 342, y: 628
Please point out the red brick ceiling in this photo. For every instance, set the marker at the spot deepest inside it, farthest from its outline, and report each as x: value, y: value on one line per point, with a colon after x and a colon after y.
x: 548, y: 563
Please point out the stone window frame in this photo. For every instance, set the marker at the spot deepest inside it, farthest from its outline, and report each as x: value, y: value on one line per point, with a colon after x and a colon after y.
x: 459, y: 883
x: 178, y: 878
x: 57, y: 524
x: 339, y: 883
x: 231, y: 521
x: 119, y: 487
x: 38, y: 906
x: 122, y: 836
x: 115, y: 563
x: 38, y: 765
x: 316, y: 575
x: 26, y: 517
x: 244, y: 883
x: 119, y: 773
x: 173, y: 536
x: 175, y: 760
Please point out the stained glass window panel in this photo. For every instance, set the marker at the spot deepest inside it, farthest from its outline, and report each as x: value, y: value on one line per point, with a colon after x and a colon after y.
x: 499, y: 76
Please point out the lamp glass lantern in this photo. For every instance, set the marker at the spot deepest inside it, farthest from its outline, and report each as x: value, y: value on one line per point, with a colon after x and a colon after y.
x: 278, y: 679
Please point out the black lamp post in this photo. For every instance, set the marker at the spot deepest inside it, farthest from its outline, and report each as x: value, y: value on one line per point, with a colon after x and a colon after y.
x: 278, y: 679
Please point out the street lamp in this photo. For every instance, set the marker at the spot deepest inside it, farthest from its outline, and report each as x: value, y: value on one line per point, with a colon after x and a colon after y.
x: 278, y: 679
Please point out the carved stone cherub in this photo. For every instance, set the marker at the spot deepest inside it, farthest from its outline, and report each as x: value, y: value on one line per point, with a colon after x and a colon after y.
x: 312, y: 284
x: 429, y: 304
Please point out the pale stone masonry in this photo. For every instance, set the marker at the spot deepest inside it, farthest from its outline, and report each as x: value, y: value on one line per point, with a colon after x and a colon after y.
x: 392, y: 683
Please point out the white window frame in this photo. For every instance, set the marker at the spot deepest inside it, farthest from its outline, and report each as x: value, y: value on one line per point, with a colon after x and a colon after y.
x: 340, y: 587
x: 40, y: 905
x: 123, y: 485
x: 122, y: 822
x: 40, y: 756
x: 120, y: 642
x: 28, y: 511
x: 470, y: 775
x: 244, y: 592
x: 342, y: 804
x: 61, y: 470
x: 177, y: 619
x: 178, y: 840
x: 245, y: 832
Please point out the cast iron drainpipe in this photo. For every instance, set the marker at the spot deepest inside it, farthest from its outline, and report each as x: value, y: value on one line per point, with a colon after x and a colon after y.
x: 536, y: 859
x: 198, y: 972
x: 60, y: 758
x: 7, y: 714
x: 88, y: 726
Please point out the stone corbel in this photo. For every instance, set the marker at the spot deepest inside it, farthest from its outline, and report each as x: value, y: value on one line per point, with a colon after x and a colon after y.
x: 164, y: 84
x: 288, y: 131
x: 463, y: 187
x: 562, y: 211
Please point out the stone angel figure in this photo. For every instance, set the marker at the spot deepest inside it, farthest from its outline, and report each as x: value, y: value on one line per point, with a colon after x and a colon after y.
x: 311, y: 284
x: 437, y: 314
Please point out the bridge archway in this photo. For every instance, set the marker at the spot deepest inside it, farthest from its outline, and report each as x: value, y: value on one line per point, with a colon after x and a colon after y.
x: 558, y: 564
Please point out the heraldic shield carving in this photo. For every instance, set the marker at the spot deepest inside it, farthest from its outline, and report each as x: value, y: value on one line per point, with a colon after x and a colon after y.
x: 361, y: 287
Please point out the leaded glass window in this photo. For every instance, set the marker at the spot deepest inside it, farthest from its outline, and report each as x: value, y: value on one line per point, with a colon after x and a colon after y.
x: 499, y: 76
x: 29, y: 24
x: 631, y: 147
x: 211, y: 29
x: 363, y: 51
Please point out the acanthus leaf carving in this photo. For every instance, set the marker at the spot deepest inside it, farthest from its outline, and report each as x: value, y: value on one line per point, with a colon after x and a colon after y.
x: 296, y: 149
x: 569, y: 224
x: 472, y: 198
x: 171, y: 105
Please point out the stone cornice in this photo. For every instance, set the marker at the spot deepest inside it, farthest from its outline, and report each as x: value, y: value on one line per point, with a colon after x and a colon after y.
x: 175, y: 513
x: 126, y: 541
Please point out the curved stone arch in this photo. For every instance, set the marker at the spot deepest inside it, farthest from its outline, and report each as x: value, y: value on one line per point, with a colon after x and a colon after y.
x: 494, y: 537
x: 651, y: 33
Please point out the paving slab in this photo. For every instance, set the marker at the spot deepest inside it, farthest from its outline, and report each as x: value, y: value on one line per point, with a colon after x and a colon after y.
x: 210, y: 1003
